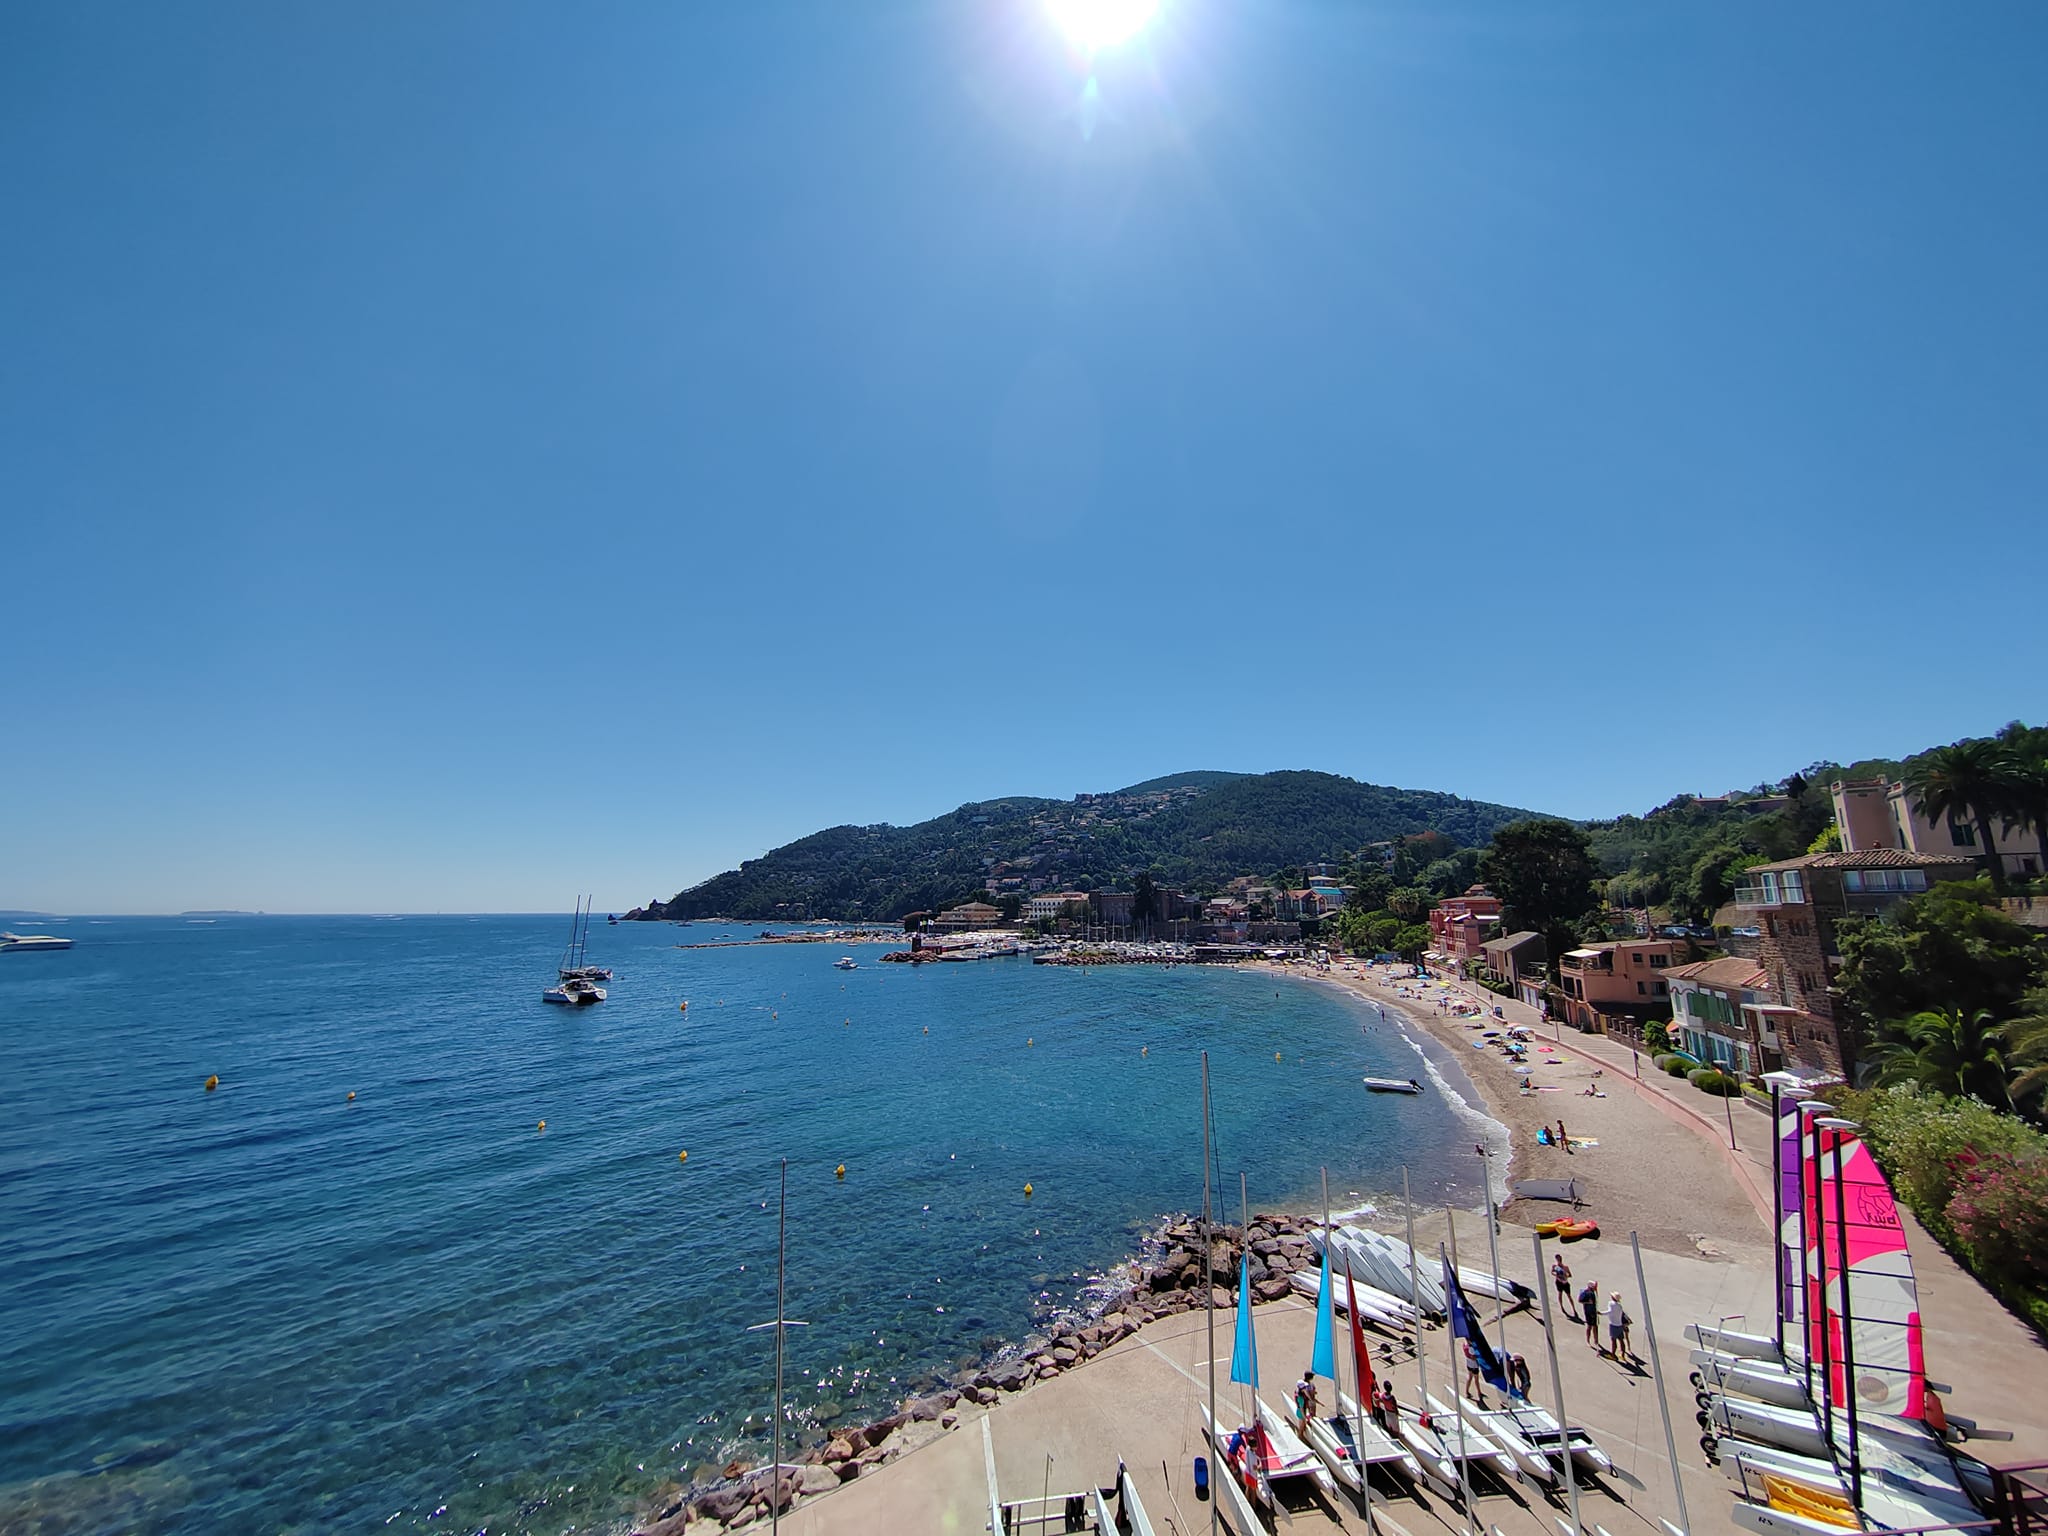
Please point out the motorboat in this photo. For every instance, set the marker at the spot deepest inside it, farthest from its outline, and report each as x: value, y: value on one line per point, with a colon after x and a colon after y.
x: 577, y: 991
x: 846, y: 963
x: 32, y: 941
x: 1393, y: 1084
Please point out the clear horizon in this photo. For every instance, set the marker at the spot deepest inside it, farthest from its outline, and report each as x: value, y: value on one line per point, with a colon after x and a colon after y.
x: 506, y: 452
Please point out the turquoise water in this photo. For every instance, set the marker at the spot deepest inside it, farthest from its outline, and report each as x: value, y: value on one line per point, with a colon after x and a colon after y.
x: 270, y: 1308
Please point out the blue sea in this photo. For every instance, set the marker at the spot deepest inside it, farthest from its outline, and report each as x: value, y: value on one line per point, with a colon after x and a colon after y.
x: 274, y: 1308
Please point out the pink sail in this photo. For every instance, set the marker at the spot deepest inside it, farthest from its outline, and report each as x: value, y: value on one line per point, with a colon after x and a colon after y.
x: 1881, y: 1302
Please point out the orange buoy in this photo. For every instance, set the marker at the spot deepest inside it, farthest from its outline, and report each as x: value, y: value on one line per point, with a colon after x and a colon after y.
x: 839, y: 1172
x: 351, y: 1095
x: 682, y: 1157
x: 213, y: 1082
x: 542, y: 1126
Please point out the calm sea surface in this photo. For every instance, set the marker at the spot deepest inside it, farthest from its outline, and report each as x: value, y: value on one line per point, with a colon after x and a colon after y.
x: 269, y: 1308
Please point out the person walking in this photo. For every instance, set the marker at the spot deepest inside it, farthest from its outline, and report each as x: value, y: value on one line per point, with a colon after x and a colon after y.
x: 1305, y: 1397
x: 1561, y: 1277
x: 1617, y: 1326
x: 1589, y: 1312
x: 1475, y: 1384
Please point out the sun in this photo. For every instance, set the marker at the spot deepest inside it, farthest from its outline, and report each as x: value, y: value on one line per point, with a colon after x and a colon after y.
x: 1096, y: 24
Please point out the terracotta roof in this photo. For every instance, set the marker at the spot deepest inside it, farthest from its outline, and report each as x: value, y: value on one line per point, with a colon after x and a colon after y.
x: 1869, y: 858
x: 1729, y: 971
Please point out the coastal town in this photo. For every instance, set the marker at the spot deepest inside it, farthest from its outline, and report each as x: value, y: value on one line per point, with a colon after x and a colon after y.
x: 1644, y: 1080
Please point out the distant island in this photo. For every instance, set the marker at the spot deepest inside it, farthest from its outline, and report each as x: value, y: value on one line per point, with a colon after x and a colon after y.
x: 1194, y: 831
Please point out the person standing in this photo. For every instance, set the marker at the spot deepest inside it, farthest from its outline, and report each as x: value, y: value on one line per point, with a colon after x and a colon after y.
x: 1475, y: 1385
x: 1617, y: 1326
x: 1305, y: 1397
x: 1589, y: 1312
x: 1561, y: 1277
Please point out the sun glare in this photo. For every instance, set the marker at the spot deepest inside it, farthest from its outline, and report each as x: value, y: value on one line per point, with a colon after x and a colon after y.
x: 1097, y: 24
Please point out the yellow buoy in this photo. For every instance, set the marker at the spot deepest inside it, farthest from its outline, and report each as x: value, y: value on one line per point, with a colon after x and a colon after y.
x: 1027, y: 1191
x: 1029, y: 1041
x: 840, y: 1171
x: 351, y: 1095
x: 1144, y: 1050
x: 1276, y: 1056
x: 682, y: 1157
x: 213, y: 1082
x: 683, y: 1006
x: 542, y: 1126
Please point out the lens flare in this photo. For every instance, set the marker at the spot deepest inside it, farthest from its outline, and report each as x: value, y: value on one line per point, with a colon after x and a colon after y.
x: 1096, y: 24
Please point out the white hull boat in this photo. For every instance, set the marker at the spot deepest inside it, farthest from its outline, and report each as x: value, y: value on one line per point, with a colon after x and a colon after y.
x: 1128, y: 1515
x: 1289, y: 1456
x: 1393, y: 1085
x: 1427, y: 1447
x: 1479, y: 1447
x: 1374, y: 1305
x: 1500, y: 1426
x: 1762, y: 1520
x: 1226, y: 1486
x: 1761, y: 1379
x: 27, y: 942
x: 1753, y: 1346
x: 1381, y: 1449
x: 1540, y: 1428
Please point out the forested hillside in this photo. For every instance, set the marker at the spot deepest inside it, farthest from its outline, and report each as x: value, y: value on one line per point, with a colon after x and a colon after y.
x: 1193, y: 831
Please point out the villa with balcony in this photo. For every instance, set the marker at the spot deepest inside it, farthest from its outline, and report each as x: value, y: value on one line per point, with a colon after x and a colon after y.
x: 1797, y: 903
x: 1617, y: 987
x: 1713, y: 1018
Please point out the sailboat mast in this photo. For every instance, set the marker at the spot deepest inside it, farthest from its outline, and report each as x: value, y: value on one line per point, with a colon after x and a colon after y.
x: 1209, y: 1275
x: 1839, y: 1128
x: 1500, y: 1306
x: 1657, y: 1379
x: 1244, y: 1259
x: 781, y: 1258
x: 1415, y: 1300
x: 1564, y: 1423
x: 1457, y: 1387
x: 1337, y: 1365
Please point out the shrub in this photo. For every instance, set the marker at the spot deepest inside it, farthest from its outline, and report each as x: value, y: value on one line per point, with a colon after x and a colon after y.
x: 1925, y: 1141
x: 1714, y: 1081
x: 2000, y: 1209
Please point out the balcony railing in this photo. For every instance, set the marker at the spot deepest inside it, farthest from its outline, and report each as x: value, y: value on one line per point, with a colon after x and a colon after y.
x: 1777, y: 889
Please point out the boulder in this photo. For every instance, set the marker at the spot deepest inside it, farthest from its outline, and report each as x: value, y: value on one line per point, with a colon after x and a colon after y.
x: 846, y: 1471
x: 817, y: 1480
x: 856, y: 1441
x: 1266, y: 1247
x: 1064, y: 1356
x: 1013, y: 1374
x: 925, y: 1410
x: 985, y: 1395
x: 1272, y: 1288
x: 1222, y: 1298
x: 668, y: 1525
x: 839, y: 1448
x: 721, y: 1504
x: 948, y: 1420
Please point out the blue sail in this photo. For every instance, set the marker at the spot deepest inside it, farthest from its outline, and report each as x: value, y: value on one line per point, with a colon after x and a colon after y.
x: 1465, y: 1325
x: 1244, y: 1353
x: 1323, y: 1358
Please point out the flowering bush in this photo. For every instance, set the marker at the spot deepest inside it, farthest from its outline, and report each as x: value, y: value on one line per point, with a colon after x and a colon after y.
x: 2000, y: 1208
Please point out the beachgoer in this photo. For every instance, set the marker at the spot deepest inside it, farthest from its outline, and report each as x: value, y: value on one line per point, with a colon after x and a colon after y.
x: 1390, y: 1408
x: 1561, y: 1277
x: 1589, y: 1311
x: 1305, y: 1396
x: 1617, y: 1326
x: 1522, y: 1376
x: 1475, y: 1385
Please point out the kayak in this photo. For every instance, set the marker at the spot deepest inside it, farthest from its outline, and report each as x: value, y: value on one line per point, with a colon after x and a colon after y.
x: 1573, y: 1228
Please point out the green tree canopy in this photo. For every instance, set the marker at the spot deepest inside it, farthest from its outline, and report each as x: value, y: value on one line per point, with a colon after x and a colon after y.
x: 1544, y: 874
x: 1949, y: 949
x: 1973, y: 781
x: 1950, y: 1052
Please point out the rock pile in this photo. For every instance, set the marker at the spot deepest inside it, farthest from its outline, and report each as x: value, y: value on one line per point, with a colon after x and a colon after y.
x: 1165, y: 1280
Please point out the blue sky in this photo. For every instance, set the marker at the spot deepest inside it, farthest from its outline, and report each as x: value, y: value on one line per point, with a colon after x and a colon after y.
x: 454, y: 456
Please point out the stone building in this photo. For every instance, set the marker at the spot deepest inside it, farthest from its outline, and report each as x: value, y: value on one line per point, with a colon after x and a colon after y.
x: 1797, y: 904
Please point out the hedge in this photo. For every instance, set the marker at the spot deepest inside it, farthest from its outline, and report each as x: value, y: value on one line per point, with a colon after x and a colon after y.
x: 1714, y: 1081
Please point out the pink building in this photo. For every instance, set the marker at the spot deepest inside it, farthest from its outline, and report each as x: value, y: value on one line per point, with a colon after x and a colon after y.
x: 1459, y: 925
x: 1623, y: 979
x: 1879, y: 813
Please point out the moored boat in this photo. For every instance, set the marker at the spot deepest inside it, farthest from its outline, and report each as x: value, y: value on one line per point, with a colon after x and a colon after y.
x: 1393, y: 1084
x: 32, y: 941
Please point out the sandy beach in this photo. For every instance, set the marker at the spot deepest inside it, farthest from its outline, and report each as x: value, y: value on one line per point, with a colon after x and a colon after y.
x: 1662, y: 1169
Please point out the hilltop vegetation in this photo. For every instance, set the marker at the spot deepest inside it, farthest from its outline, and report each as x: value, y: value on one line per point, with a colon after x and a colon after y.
x: 1192, y: 831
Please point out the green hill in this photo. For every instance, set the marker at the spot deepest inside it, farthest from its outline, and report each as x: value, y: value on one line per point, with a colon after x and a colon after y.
x: 1194, y: 831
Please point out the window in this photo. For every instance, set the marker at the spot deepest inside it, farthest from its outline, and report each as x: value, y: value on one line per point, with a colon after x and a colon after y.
x: 1661, y: 989
x: 1641, y: 989
x: 1636, y: 958
x: 1961, y: 833
x: 1659, y: 962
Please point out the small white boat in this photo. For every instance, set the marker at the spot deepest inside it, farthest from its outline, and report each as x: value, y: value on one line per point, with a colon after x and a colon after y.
x: 577, y: 992
x: 1791, y: 1429
x: 1377, y: 1447
x: 1540, y: 1428
x: 1287, y: 1455
x: 1479, y: 1448
x: 1128, y: 1515
x: 1227, y: 1484
x: 1765, y: 1380
x: 32, y: 941
x: 846, y: 963
x: 1754, y: 1346
x: 1374, y: 1306
x: 1393, y: 1084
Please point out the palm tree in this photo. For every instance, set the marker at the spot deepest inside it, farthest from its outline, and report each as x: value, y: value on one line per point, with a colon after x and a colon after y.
x: 1972, y: 780
x: 2026, y: 1051
x: 2027, y: 802
x: 1949, y: 1054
